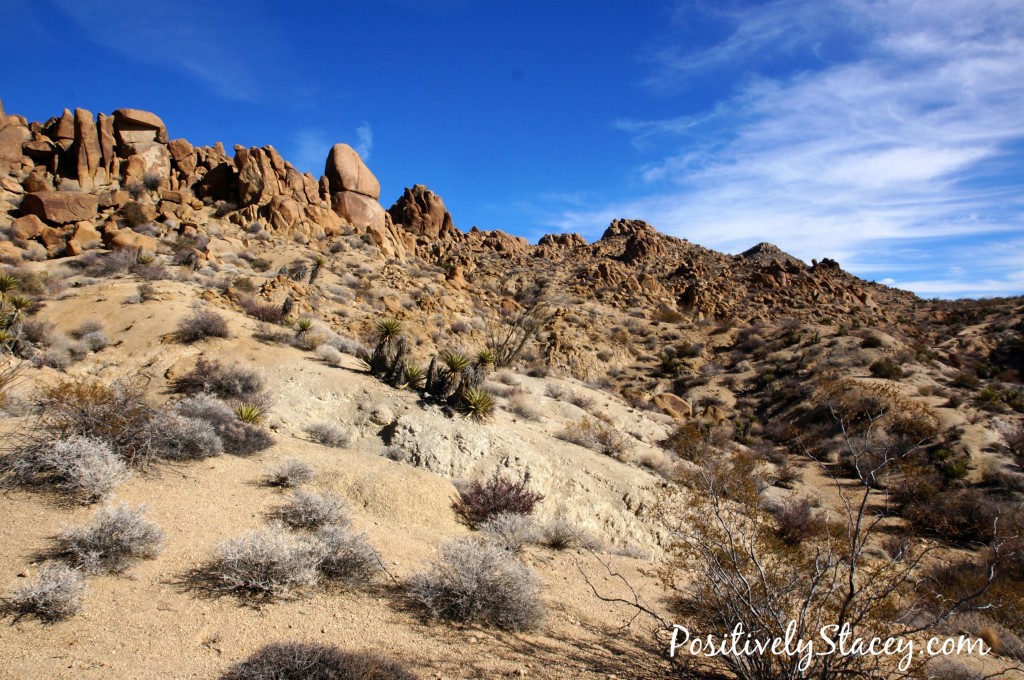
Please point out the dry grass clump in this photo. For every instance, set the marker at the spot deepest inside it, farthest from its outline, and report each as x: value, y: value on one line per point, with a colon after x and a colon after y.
x: 178, y: 437
x: 597, y: 436
x: 55, y: 594
x: 200, y: 325
x: 329, y: 434
x: 261, y: 565
x: 263, y: 311
x: 239, y: 438
x: 227, y: 382
x: 80, y: 467
x: 498, y: 495
x: 309, y: 661
x: 312, y: 511
x: 524, y: 406
x: 475, y: 582
x: 116, y: 538
x: 328, y: 355
x: 289, y: 474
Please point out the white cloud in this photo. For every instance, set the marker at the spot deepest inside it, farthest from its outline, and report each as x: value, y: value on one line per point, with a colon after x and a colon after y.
x: 907, y: 142
x: 309, y: 149
x: 364, y: 140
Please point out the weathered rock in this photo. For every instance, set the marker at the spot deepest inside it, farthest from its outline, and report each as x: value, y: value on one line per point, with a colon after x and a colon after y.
x: 37, y: 182
x: 117, y: 239
x: 12, y: 138
x: 183, y: 154
x: 422, y: 212
x: 257, y: 180
x: 345, y: 171
x: 53, y: 239
x: 359, y: 210
x: 11, y: 185
x: 132, y: 126
x: 87, y: 147
x: 674, y: 406
x: 61, y: 129
x: 40, y: 150
x: 148, y: 158
x: 105, y: 127
x: 27, y: 227
x: 562, y: 241
x: 60, y: 207
x: 714, y: 414
x: 86, y: 236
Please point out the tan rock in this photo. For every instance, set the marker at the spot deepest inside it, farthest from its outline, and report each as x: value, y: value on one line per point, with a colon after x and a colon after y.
x: 62, y: 129
x: 87, y: 146
x: 105, y: 127
x: 37, y: 182
x: 87, y: 236
x: 149, y: 158
x: 284, y: 214
x: 27, y: 227
x: 73, y: 248
x: 126, y: 238
x: 132, y: 126
x: 345, y: 171
x: 60, y: 207
x: 671, y: 405
x: 714, y: 413
x: 359, y: 210
x: 12, y: 138
x: 392, y: 304
x: 53, y: 239
x: 11, y: 185
x: 422, y: 212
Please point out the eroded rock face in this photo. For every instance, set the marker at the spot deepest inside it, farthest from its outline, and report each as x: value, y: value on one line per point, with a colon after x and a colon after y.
x: 422, y: 212
x: 345, y: 171
x: 89, y: 155
x: 60, y: 207
x: 132, y: 126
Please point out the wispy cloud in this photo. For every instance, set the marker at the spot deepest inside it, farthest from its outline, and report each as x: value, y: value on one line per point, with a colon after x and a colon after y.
x: 308, y: 151
x: 364, y: 140
x: 914, y: 141
x: 176, y: 36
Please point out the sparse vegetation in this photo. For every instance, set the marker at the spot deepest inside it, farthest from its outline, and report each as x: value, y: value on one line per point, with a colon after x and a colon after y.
x: 81, y: 467
x: 202, y: 324
x: 498, y: 495
x: 346, y: 557
x: 474, y: 582
x: 54, y: 594
x: 312, y: 511
x: 117, y: 537
x: 598, y: 436
x: 329, y: 434
x: 289, y: 474
x: 309, y: 661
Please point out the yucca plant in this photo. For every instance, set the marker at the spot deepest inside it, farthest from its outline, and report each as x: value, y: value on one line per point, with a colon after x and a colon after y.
x: 413, y: 376
x: 388, y: 329
x: 249, y: 413
x: 8, y: 283
x: 7, y: 340
x: 145, y: 259
x: 485, y: 358
x: 478, y: 403
x: 303, y: 326
x: 455, y: 362
x: 314, y: 271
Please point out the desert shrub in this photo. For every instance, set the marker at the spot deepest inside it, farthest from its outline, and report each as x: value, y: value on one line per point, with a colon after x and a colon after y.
x: 328, y: 355
x: 261, y: 565
x: 796, y: 521
x: 244, y: 439
x: 966, y: 379
x: 512, y: 531
x: 479, y: 583
x: 346, y: 556
x: 961, y: 517
x: 264, y: 311
x: 597, y: 436
x: 886, y: 368
x: 116, y: 538
x: 479, y: 501
x: 559, y: 533
x: 309, y: 661
x: 289, y: 474
x: 523, y: 406
x: 308, y: 510
x: 227, y: 382
x: 581, y: 400
x: 95, y: 341
x: 555, y: 391
x: 871, y: 341
x: 116, y: 413
x: 329, y: 434
x: 200, y: 325
x: 82, y: 467
x: 690, y: 441
x: 173, y: 436
x: 55, y: 594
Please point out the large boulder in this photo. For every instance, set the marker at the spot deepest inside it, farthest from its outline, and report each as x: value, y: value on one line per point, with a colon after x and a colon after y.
x: 60, y: 207
x: 674, y: 406
x: 11, y: 139
x: 27, y: 227
x: 148, y: 158
x: 422, y: 212
x: 359, y: 210
x: 105, y: 127
x: 345, y: 171
x: 88, y: 151
x: 120, y: 239
x: 132, y: 126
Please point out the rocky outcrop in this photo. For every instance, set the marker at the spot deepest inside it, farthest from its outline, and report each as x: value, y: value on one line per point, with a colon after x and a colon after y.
x: 132, y: 126
x: 345, y: 171
x: 89, y: 156
x: 422, y: 213
x: 353, y: 192
x: 60, y: 207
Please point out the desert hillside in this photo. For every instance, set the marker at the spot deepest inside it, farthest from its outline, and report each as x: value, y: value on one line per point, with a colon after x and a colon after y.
x: 325, y: 418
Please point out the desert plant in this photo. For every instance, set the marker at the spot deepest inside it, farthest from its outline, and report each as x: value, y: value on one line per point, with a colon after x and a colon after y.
x: 328, y: 355
x: 886, y: 368
x: 261, y: 565
x: 200, y: 325
x: 388, y: 330
x: 512, y: 531
x: 479, y: 583
x: 173, y: 436
x: 510, y: 328
x: 309, y: 661
x: 312, y: 511
x: 345, y: 556
x: 79, y: 466
x: 524, y: 406
x: 559, y: 533
x: 597, y: 436
x: 227, y: 382
x: 116, y: 538
x: 480, y: 500
x: 263, y: 311
x: 454, y: 362
x: 289, y: 474
x: 414, y: 376
x: 329, y: 434
x: 250, y: 414
x: 478, y: 404
x: 55, y: 594
x: 796, y: 521
x: 303, y: 326
x: 485, y: 358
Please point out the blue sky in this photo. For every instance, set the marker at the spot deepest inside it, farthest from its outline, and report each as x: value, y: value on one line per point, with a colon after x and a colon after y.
x: 887, y: 134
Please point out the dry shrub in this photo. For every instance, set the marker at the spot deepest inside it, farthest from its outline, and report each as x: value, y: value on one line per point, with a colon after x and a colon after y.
x: 329, y: 434
x: 524, y: 406
x: 598, y: 436
x: 312, y: 511
x: 796, y: 521
x: 116, y: 538
x: 289, y: 474
x: 345, y: 556
x: 328, y: 355
x: 309, y: 661
x: 177, y: 437
x: 227, y: 382
x: 81, y: 467
x: 479, y: 583
x: 261, y: 565
x: 55, y: 594
x: 512, y: 531
x: 479, y: 501
x: 690, y: 441
x: 200, y: 325
x: 239, y: 438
